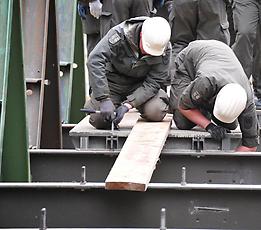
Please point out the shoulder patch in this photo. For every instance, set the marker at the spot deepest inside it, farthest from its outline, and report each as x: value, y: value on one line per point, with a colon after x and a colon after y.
x: 114, y: 38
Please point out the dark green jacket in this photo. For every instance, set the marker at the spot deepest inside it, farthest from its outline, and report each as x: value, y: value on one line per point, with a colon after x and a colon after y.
x: 202, y: 69
x: 116, y: 61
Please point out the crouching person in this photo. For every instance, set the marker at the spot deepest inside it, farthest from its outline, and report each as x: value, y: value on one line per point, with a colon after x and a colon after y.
x: 127, y: 69
x: 211, y: 90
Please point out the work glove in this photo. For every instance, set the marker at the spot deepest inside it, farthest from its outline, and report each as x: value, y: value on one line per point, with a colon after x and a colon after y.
x: 120, y: 111
x: 216, y: 132
x: 81, y: 10
x: 95, y: 8
x: 107, y: 109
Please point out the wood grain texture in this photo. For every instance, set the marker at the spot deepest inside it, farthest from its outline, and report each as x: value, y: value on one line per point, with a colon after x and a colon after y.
x: 137, y: 160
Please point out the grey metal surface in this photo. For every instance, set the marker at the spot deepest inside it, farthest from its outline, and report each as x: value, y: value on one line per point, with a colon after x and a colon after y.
x: 105, y: 229
x: 34, y: 49
x: 66, y: 17
x: 191, y: 206
x: 67, y: 140
x: 204, y: 167
x: 173, y: 142
x: 87, y: 137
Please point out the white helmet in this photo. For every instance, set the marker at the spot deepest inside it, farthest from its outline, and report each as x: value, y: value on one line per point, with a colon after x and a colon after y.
x: 155, y: 35
x: 230, y: 102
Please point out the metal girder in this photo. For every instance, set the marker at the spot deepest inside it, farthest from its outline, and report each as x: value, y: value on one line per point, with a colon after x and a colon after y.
x: 206, y: 167
x: 66, y: 15
x: 78, y: 205
x: 14, y: 157
x: 71, y: 59
x: 41, y: 73
x: 78, y: 84
x: 175, y: 141
x: 51, y: 133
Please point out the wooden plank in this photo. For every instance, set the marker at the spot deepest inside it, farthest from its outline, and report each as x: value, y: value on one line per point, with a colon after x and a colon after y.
x: 137, y: 160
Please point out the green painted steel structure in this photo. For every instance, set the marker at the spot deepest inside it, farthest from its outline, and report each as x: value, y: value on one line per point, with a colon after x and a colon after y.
x: 78, y: 84
x: 71, y: 60
x: 14, y: 157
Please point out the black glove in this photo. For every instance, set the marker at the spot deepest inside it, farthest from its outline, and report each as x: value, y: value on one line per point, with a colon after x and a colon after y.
x: 217, y: 132
x: 107, y: 109
x: 120, y: 111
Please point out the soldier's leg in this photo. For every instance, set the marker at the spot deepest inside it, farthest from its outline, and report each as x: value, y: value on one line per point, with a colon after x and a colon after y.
x: 156, y: 108
x: 181, y: 121
x: 120, y: 10
x: 245, y: 15
x: 141, y: 8
x: 213, y: 22
x: 106, y: 20
x: 125, y: 9
x: 183, y: 19
x: 92, y: 40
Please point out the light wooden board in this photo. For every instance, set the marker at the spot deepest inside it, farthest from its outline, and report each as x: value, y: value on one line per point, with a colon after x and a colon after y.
x: 137, y: 160
x: 84, y: 128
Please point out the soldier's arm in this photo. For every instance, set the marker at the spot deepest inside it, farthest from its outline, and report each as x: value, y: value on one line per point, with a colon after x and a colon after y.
x: 96, y: 64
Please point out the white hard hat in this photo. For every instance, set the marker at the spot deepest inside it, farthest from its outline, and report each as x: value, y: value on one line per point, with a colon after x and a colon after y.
x: 155, y: 35
x: 230, y: 102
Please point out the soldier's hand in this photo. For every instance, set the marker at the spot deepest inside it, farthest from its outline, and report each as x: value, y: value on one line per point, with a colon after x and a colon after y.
x: 120, y: 112
x: 95, y: 8
x: 107, y: 109
x: 217, y: 132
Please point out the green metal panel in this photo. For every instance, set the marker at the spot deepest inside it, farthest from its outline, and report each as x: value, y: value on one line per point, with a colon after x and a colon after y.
x: 4, y: 13
x: 78, y: 90
x: 66, y: 17
x: 5, y: 22
x: 15, y: 157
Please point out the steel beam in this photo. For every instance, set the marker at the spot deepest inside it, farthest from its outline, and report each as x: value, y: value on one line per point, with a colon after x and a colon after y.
x: 41, y: 73
x: 204, y: 167
x: 14, y: 157
x: 66, y: 15
x: 189, y: 140
x: 78, y: 84
x: 89, y: 205
x: 51, y: 132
